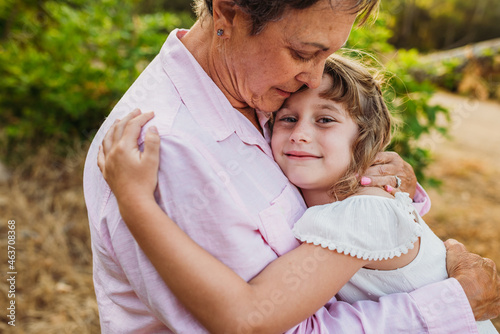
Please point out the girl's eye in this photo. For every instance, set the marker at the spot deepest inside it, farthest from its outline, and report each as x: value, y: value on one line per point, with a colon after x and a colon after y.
x: 325, y: 120
x: 288, y: 119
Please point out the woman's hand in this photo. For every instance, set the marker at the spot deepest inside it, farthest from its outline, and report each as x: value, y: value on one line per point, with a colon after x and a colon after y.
x: 478, y: 277
x: 130, y: 173
x: 387, y: 168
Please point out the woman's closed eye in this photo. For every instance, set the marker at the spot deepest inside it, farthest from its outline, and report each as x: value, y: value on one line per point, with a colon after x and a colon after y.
x: 302, y: 56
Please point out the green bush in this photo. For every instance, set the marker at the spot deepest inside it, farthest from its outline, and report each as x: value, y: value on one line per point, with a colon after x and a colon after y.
x: 482, y: 72
x: 448, y: 73
x: 64, y: 66
x: 408, y: 99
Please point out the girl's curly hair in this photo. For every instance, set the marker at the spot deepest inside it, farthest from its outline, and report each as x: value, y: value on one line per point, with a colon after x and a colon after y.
x: 359, y: 91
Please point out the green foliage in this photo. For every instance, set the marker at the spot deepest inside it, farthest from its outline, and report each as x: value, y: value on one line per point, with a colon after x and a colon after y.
x: 477, y: 76
x: 447, y: 73
x: 435, y: 24
x: 417, y: 120
x: 63, y: 67
x: 64, y: 64
x: 153, y: 6
x: 372, y: 37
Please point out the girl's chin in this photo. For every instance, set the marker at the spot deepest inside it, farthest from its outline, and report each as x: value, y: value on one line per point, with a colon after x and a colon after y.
x: 310, y: 187
x: 302, y: 184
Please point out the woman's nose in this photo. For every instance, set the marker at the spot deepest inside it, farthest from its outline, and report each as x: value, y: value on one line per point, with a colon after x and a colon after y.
x: 312, y: 77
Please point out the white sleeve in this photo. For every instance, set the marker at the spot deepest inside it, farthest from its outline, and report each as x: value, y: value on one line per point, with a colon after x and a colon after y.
x: 368, y: 227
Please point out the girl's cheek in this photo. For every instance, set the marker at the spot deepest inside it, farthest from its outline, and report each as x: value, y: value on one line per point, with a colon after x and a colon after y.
x: 275, y: 141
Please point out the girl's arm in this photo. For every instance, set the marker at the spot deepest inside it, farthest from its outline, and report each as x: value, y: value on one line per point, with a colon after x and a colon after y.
x: 286, y: 292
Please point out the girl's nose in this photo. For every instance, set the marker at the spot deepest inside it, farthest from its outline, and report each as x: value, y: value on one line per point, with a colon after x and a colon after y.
x: 301, y: 133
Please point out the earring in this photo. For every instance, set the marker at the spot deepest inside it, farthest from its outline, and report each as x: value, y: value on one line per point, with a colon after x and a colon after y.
x: 220, y: 32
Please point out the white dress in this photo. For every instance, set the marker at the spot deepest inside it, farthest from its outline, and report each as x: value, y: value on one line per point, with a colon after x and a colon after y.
x: 378, y: 228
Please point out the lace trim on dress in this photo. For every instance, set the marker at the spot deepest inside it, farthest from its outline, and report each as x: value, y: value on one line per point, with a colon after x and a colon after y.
x: 363, y: 253
x: 404, y: 204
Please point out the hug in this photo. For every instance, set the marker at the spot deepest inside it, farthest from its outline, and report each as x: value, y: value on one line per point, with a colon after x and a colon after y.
x: 253, y: 92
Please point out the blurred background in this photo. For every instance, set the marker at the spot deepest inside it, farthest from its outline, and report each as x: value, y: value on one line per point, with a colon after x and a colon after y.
x: 64, y: 64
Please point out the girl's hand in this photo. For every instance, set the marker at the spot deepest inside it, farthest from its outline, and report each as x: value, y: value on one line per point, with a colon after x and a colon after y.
x: 130, y: 173
x: 387, y: 168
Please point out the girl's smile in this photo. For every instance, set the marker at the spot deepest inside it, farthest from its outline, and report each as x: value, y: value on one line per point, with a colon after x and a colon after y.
x: 301, y: 155
x: 312, y: 141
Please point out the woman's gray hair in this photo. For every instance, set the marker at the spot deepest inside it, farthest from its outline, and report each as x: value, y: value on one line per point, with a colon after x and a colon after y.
x: 261, y: 12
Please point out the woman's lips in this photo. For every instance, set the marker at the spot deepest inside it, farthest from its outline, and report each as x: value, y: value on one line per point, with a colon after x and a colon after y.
x: 283, y: 93
x: 300, y: 155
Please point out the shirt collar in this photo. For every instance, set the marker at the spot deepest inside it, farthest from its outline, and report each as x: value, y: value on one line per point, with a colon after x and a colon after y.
x: 204, y: 99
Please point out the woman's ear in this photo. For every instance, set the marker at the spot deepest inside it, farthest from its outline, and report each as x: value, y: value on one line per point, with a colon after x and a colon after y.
x: 224, y: 12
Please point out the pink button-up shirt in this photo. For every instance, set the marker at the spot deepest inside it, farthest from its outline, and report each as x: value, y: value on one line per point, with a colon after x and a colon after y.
x: 219, y: 182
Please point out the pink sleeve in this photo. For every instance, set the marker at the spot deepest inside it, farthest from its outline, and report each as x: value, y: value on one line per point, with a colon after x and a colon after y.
x: 436, y: 309
x: 421, y: 201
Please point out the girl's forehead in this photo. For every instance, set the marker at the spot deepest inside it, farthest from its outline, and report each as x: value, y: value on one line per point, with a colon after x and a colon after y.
x: 315, y: 105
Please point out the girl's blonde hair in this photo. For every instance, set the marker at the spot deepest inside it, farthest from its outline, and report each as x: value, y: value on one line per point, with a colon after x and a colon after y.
x: 358, y: 90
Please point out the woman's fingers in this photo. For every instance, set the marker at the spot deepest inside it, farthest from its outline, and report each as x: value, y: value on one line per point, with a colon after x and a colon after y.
x: 387, y: 158
x: 387, y: 169
x: 478, y: 277
x: 386, y: 163
x: 391, y: 190
x: 389, y: 183
x: 380, y: 181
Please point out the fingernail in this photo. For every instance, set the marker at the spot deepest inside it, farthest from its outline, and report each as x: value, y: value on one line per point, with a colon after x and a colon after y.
x: 388, y: 188
x: 365, y: 180
x: 153, y: 129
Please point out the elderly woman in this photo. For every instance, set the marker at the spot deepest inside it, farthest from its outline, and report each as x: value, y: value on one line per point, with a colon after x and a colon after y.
x: 212, y: 89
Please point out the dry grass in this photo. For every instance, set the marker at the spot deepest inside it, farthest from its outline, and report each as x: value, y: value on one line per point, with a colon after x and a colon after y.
x: 466, y: 207
x: 54, y: 290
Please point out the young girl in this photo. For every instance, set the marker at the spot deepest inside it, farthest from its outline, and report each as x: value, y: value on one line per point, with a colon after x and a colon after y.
x: 358, y: 243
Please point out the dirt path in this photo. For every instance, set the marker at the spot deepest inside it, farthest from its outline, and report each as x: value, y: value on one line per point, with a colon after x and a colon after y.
x: 475, y: 129
x: 467, y: 207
